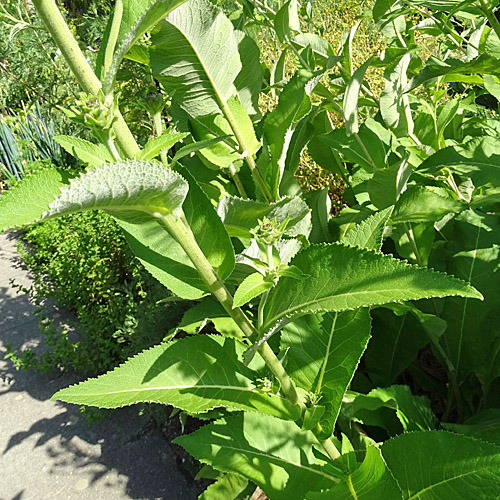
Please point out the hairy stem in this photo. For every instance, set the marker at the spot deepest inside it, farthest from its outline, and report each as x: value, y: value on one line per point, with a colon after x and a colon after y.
x: 237, y: 182
x: 490, y: 15
x: 185, y: 238
x: 56, y: 25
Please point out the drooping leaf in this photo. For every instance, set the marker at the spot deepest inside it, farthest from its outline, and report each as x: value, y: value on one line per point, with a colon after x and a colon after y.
x: 368, y: 234
x: 430, y: 465
x: 194, y: 54
x: 139, y: 16
x: 275, y: 454
x: 249, y: 80
x: 26, y: 202
x: 93, y: 154
x: 252, y: 286
x: 195, y: 374
x: 320, y: 204
x: 478, y: 159
x: 154, y: 146
x: 240, y: 215
x: 393, y: 408
x: 165, y: 259
x: 345, y: 278
x: 370, y: 481
x: 323, y: 352
x: 396, y: 341
x: 387, y: 184
x: 436, y: 67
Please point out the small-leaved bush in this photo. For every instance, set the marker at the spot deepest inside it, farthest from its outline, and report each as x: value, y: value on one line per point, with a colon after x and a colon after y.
x: 83, y: 263
x: 352, y: 356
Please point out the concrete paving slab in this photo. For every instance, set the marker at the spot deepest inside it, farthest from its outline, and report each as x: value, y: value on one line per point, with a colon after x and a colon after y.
x: 47, y: 450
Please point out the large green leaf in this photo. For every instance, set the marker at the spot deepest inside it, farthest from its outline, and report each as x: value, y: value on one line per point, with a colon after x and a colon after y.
x: 440, y: 465
x: 138, y: 17
x: 275, y: 454
x: 345, y: 278
x: 323, y: 352
x: 473, y: 334
x: 165, y: 259
x: 194, y: 54
x: 195, y: 374
x: 26, y: 202
x: 478, y: 159
x: 370, y: 481
x: 397, y: 337
x: 485, y: 426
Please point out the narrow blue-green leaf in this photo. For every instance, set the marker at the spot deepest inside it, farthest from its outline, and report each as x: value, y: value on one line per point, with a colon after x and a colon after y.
x: 441, y: 465
x: 344, y: 278
x: 275, y: 454
x: 26, y: 202
x: 195, y: 374
x: 93, y: 154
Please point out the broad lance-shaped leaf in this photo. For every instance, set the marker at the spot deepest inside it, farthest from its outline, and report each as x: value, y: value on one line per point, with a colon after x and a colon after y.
x: 275, y: 454
x: 26, y: 202
x: 127, y: 190
x: 370, y: 481
x: 440, y: 465
x: 194, y: 54
x: 240, y: 215
x: 195, y: 374
x: 93, y: 154
x: 252, y: 286
x: 368, y: 233
x: 345, y: 278
x: 138, y: 17
x: 323, y: 352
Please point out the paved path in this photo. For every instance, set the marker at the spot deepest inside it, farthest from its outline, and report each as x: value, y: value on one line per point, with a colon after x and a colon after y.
x: 47, y: 450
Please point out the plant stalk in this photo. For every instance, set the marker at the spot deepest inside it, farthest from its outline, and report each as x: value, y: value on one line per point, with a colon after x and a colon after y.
x: 228, y: 115
x: 57, y: 27
x: 490, y: 15
x: 185, y: 238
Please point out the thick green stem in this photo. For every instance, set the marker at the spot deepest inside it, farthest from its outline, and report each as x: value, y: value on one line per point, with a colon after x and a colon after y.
x: 56, y: 25
x: 185, y: 238
x: 490, y: 15
x: 113, y: 35
x: 228, y: 115
x: 237, y: 182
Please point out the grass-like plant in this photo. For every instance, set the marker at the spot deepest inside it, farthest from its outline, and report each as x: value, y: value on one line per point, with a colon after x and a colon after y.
x: 221, y: 220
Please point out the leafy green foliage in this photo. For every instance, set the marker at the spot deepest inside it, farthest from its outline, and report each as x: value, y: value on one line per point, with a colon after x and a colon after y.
x: 450, y: 465
x: 159, y: 375
x: 343, y: 278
